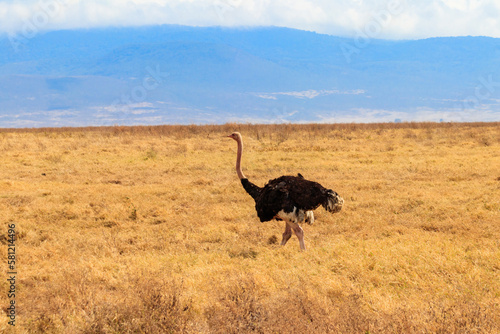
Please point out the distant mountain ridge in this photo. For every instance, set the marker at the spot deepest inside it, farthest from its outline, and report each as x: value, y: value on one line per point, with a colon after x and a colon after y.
x: 181, y: 75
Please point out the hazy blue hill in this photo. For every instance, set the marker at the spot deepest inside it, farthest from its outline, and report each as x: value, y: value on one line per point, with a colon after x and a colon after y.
x: 268, y: 74
x: 196, y: 63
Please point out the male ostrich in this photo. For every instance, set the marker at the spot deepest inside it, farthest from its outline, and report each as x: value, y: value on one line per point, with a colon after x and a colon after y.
x: 288, y: 198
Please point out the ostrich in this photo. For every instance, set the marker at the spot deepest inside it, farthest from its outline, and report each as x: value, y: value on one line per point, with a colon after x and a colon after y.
x: 288, y: 198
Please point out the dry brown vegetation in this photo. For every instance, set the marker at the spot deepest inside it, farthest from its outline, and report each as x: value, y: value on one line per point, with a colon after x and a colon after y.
x: 147, y: 229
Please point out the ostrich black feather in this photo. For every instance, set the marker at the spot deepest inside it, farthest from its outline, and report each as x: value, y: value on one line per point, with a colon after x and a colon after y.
x: 290, y: 193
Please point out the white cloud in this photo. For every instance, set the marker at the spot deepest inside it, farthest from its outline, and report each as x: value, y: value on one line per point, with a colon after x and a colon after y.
x: 377, y: 18
x: 309, y: 94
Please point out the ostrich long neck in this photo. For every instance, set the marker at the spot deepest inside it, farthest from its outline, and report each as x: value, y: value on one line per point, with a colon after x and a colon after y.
x: 249, y: 187
x: 238, y: 159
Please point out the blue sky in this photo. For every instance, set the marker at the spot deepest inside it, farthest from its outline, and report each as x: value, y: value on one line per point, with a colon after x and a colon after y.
x: 389, y: 19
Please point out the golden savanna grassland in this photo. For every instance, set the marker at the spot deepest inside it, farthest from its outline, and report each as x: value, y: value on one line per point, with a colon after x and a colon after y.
x: 148, y: 229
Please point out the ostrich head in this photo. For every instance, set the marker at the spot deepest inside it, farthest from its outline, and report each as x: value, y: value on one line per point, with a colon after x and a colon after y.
x: 235, y: 135
x: 333, y: 202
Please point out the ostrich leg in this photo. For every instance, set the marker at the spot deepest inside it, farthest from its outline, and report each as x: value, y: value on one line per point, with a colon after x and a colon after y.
x: 287, y: 234
x: 299, y: 232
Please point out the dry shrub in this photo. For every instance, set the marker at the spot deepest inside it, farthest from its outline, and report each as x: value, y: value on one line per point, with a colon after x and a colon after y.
x: 246, y: 253
x: 485, y: 141
x: 160, y: 307
x: 460, y: 316
x: 297, y: 310
x: 244, y: 308
x: 149, y: 306
x: 410, y: 134
x: 43, y: 324
x: 239, y: 309
x: 273, y: 240
x: 300, y: 312
x: 151, y: 154
x: 463, y: 316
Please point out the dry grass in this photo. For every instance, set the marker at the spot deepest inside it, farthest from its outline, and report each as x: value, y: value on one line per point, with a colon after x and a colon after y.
x: 147, y: 229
